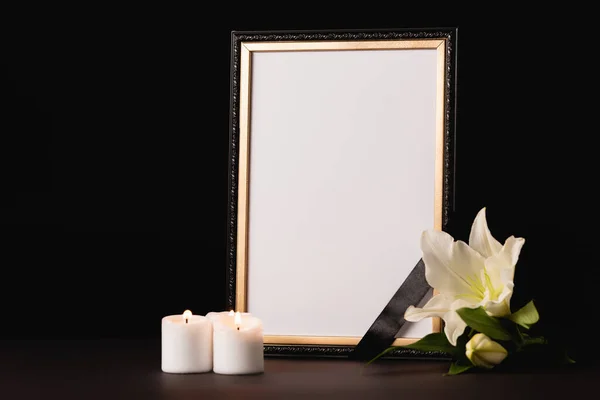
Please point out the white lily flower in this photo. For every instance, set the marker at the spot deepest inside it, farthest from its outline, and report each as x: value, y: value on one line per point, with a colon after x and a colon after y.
x: 478, y: 274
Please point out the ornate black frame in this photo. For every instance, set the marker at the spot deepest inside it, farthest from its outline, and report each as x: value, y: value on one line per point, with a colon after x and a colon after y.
x: 450, y: 35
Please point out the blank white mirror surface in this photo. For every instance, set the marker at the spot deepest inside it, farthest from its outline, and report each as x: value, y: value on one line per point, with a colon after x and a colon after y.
x: 342, y: 175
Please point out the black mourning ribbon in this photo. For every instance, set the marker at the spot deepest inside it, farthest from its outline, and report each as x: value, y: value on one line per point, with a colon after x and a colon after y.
x: 382, y: 332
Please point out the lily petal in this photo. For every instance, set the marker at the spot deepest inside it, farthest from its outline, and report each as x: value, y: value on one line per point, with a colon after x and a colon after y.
x: 501, y: 267
x: 437, y: 306
x: 481, y: 239
x: 454, y: 326
x: 500, y: 306
x: 453, y: 268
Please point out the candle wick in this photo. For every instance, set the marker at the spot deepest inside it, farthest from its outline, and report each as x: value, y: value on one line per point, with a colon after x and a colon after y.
x: 238, y: 328
x: 186, y: 320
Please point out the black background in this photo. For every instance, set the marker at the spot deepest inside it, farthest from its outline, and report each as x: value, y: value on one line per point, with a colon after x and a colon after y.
x: 114, y: 142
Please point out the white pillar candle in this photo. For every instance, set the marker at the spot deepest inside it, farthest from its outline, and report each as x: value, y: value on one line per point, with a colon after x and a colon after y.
x: 186, y: 344
x: 238, y: 345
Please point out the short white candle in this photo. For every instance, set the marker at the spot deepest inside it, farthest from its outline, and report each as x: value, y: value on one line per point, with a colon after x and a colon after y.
x: 186, y: 344
x: 238, y: 345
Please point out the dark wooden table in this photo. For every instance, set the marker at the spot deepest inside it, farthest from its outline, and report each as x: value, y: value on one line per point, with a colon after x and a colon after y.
x: 131, y: 370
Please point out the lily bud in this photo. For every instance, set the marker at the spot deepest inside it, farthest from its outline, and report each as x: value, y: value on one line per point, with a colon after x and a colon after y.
x: 484, y: 352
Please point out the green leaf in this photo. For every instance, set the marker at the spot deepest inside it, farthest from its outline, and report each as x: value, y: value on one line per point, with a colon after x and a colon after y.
x: 567, y: 359
x: 526, y: 316
x: 433, y: 342
x: 519, y: 336
x: 383, y: 353
x: 460, y: 351
x: 478, y: 319
x: 456, y: 368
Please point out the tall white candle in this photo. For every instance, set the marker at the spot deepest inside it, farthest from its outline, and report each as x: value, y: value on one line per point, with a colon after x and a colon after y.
x: 186, y: 344
x: 238, y: 345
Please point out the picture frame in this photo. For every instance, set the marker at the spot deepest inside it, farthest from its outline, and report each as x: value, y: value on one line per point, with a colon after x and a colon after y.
x: 341, y: 154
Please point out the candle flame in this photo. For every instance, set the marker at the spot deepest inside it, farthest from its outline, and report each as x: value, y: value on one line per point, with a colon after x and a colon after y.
x: 187, y: 314
x: 238, y: 319
x: 231, y: 313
